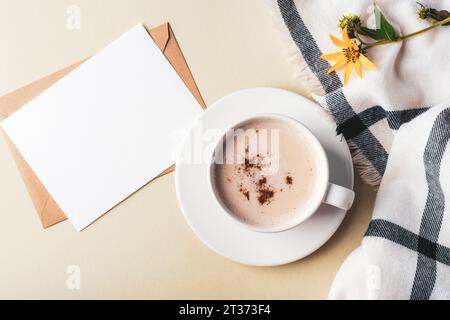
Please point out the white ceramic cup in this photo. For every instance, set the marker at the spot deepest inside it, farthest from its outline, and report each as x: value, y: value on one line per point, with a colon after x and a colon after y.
x: 327, y: 192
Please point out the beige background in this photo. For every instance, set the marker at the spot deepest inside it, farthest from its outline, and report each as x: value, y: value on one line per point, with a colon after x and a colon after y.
x: 144, y: 248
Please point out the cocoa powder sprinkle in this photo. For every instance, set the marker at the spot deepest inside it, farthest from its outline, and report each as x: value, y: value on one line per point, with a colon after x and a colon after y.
x: 265, y: 196
x: 252, y: 170
x: 244, y: 191
x: 262, y: 181
x: 289, y: 180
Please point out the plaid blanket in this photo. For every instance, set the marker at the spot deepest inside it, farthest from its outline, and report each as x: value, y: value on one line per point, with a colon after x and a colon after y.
x: 397, y: 124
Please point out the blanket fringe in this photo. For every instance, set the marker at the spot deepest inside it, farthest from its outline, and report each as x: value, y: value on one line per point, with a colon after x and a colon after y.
x: 366, y: 170
x: 368, y: 173
x: 301, y: 71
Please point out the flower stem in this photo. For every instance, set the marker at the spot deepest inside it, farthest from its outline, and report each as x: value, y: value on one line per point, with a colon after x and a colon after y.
x: 410, y: 35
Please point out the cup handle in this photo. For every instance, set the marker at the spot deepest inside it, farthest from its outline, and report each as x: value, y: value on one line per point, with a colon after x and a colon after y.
x: 339, y: 197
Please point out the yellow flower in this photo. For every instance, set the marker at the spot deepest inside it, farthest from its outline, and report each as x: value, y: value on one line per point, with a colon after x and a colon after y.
x: 350, y: 56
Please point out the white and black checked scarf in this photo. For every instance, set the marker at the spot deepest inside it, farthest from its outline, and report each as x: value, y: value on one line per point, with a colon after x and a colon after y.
x: 397, y: 122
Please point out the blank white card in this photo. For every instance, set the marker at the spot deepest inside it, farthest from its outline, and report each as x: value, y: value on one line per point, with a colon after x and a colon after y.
x: 107, y: 128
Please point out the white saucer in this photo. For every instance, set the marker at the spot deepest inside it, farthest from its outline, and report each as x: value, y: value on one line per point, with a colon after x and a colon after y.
x: 217, y: 230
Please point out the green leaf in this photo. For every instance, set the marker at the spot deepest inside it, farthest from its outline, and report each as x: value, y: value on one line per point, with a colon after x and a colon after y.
x: 384, y: 29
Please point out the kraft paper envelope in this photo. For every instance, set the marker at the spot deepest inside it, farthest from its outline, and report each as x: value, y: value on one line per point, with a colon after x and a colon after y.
x: 48, y: 210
